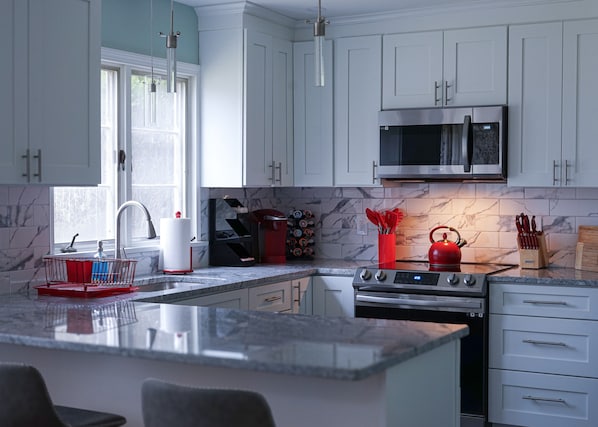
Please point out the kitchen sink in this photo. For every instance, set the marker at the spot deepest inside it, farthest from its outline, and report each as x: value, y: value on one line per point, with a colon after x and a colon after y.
x: 162, y: 286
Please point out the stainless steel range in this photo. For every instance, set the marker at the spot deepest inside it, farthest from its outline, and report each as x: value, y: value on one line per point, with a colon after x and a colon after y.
x: 407, y: 290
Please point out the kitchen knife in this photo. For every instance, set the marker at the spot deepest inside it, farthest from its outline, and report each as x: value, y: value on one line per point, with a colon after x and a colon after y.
x: 519, y: 231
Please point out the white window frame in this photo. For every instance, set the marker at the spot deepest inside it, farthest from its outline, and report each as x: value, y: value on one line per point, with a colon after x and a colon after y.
x: 125, y: 63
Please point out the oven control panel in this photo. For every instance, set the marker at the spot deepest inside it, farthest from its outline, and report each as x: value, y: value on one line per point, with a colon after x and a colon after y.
x: 421, y: 281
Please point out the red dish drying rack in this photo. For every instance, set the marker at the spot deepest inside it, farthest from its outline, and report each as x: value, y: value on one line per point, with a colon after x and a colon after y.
x: 87, y: 277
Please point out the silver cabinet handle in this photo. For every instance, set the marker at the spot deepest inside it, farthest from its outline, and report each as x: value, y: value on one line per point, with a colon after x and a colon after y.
x: 437, y: 86
x: 554, y: 177
x: 374, y: 167
x: 279, y: 168
x: 567, y: 166
x: 272, y: 299
x: 446, y: 97
x: 38, y: 156
x: 540, y: 302
x: 538, y: 342
x: 27, y: 157
x: 272, y: 166
x: 545, y: 399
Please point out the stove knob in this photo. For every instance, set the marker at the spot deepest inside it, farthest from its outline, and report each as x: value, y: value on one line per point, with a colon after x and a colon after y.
x: 380, y: 275
x: 365, y: 274
x: 452, y: 279
x: 469, y: 280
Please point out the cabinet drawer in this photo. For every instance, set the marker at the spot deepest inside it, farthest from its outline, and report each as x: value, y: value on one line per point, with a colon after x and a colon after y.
x: 541, y: 400
x: 274, y: 297
x: 562, y: 346
x: 546, y: 301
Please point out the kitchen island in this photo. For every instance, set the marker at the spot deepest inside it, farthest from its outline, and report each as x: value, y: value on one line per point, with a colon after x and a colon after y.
x: 312, y: 370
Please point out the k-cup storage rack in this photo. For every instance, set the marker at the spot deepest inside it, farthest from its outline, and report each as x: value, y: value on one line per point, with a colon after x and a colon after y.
x: 301, y: 231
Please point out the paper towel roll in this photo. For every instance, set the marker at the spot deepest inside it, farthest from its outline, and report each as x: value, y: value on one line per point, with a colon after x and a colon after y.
x: 175, y: 243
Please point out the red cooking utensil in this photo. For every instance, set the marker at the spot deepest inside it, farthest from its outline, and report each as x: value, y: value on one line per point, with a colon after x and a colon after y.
x: 371, y: 215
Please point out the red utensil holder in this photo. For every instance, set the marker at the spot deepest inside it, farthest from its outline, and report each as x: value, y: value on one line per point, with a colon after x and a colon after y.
x: 386, y: 248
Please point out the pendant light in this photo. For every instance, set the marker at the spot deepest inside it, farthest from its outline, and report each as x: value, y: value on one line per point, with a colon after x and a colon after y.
x: 153, y: 79
x: 171, y: 44
x: 319, y: 36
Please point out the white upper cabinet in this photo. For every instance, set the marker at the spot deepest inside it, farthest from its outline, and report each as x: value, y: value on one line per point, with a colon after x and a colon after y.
x: 357, y: 82
x: 247, y: 109
x: 313, y: 118
x: 450, y: 68
x: 535, y: 79
x: 580, y: 92
x: 552, y: 88
x: 50, y: 118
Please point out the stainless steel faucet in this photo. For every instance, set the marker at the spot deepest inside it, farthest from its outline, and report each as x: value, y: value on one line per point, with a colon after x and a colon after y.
x: 151, y: 232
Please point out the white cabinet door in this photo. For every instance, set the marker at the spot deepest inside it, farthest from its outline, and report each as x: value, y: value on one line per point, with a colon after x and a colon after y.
x: 238, y: 299
x: 357, y: 85
x: 302, y: 295
x: 13, y: 106
x: 535, y: 79
x: 412, y: 70
x: 64, y: 91
x: 313, y: 118
x: 580, y: 89
x: 57, y: 109
x: 546, y: 345
x: 450, y: 68
x: 276, y: 297
x: 475, y: 66
x: 333, y: 296
x: 282, y: 111
x: 530, y: 399
x: 258, y: 109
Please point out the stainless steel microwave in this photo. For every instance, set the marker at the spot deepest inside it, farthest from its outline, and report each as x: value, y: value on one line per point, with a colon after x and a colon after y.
x: 434, y: 144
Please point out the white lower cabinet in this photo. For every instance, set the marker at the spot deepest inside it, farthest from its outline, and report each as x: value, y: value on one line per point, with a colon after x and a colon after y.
x: 543, y: 356
x: 333, y: 296
x: 542, y: 400
x: 238, y: 299
x: 276, y: 297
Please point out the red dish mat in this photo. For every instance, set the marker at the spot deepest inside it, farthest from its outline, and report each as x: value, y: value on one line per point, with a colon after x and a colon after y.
x: 83, y: 291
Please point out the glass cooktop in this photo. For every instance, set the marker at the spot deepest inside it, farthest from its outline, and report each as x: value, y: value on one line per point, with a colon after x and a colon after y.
x: 466, y: 267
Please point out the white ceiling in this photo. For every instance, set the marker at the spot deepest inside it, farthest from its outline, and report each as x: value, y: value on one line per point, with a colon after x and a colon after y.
x: 305, y: 9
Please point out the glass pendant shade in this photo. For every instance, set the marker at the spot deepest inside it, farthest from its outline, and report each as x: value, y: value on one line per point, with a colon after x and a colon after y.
x: 319, y: 37
x: 171, y: 63
x: 153, y: 105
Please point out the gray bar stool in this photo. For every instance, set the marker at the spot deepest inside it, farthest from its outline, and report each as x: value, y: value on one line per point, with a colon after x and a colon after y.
x: 167, y: 405
x: 25, y: 401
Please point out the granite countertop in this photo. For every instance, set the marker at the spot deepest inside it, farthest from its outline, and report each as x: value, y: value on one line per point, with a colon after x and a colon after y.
x: 142, y: 325
x: 551, y: 276
x: 334, y: 348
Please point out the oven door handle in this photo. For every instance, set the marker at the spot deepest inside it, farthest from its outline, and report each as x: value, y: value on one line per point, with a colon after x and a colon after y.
x: 420, y: 303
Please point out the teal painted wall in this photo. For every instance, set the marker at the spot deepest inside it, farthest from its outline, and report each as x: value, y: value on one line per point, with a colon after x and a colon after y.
x: 126, y: 26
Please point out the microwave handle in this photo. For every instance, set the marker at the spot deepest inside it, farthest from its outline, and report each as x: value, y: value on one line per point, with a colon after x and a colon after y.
x: 467, y: 144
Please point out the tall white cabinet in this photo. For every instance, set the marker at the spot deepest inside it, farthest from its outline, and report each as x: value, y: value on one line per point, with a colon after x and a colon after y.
x: 445, y: 68
x: 246, y: 105
x: 552, y: 87
x: 357, y: 82
x: 313, y: 118
x: 50, y: 106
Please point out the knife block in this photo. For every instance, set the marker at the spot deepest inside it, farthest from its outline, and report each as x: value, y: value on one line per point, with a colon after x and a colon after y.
x: 534, y: 258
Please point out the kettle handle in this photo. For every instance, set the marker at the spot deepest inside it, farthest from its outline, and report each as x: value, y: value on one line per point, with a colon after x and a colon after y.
x: 459, y: 242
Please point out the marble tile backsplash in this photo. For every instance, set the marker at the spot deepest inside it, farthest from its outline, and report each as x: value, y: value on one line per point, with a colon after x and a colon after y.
x: 24, y: 235
x: 484, y: 214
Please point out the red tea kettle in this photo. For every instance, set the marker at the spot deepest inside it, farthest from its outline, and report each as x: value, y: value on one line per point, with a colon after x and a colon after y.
x: 445, y: 255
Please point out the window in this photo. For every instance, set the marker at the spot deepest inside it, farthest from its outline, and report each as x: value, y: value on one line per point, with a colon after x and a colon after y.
x: 142, y: 159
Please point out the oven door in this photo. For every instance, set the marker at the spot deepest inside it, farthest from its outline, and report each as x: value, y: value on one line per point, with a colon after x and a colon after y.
x: 440, y: 309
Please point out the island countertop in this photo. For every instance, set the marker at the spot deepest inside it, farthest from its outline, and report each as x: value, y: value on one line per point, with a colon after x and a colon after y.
x: 336, y: 348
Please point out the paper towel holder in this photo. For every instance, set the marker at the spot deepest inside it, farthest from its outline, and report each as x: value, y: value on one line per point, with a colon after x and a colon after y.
x: 182, y: 268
